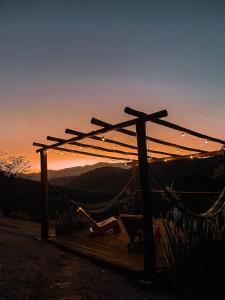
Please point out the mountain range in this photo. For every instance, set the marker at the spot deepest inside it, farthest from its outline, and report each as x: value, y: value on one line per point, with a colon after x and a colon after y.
x: 75, y: 171
x: 186, y: 174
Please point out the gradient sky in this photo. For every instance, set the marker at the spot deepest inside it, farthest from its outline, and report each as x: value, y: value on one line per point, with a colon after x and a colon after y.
x: 62, y: 62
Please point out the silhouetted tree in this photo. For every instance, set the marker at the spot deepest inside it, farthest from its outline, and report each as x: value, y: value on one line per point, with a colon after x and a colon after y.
x: 13, y: 166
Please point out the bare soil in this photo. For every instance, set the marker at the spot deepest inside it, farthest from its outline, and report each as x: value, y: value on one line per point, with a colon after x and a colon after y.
x: 33, y: 269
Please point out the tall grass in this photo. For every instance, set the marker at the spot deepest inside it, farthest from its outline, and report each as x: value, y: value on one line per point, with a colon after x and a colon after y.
x: 196, y: 253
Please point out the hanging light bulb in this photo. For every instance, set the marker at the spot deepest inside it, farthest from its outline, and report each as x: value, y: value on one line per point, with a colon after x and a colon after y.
x: 103, y: 139
x: 80, y: 148
x: 61, y: 153
x: 206, y: 141
x: 165, y: 160
x: 114, y: 147
x: 178, y: 151
x: 191, y: 157
x: 92, y: 150
x: 183, y: 134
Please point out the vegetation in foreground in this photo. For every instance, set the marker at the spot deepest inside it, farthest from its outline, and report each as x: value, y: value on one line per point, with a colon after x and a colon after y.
x: 195, y: 253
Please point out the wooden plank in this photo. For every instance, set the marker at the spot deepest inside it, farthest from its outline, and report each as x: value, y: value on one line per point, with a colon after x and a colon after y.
x: 111, y: 249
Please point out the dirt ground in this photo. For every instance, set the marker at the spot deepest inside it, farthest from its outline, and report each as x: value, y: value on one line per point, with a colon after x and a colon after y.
x: 33, y: 269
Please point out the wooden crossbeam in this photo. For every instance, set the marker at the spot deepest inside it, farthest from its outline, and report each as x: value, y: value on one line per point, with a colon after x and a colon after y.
x: 55, y: 139
x: 159, y: 114
x: 193, y: 156
x: 106, y: 140
x: 44, y: 146
x: 157, y: 141
x: 138, y: 114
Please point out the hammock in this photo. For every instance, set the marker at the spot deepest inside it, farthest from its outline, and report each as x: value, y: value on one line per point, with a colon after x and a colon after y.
x: 214, y: 210
x: 96, y: 208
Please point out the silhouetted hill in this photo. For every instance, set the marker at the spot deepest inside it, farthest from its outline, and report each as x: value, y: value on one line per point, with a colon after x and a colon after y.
x: 20, y: 195
x: 187, y: 174
x: 106, y: 179
x: 190, y: 174
x: 74, y: 171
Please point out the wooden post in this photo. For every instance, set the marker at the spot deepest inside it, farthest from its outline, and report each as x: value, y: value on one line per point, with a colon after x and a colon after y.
x: 149, y: 250
x: 134, y: 174
x: 44, y: 195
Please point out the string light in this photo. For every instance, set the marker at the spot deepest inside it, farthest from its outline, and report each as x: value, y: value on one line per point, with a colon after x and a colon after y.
x: 165, y: 160
x: 206, y: 141
x: 191, y: 157
x: 114, y: 147
x: 183, y: 134
x: 125, y: 164
x: 61, y: 153
x: 103, y: 139
x: 80, y: 148
x: 178, y: 151
x: 92, y: 150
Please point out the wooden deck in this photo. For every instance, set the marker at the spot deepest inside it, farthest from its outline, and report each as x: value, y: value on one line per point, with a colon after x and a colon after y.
x: 110, y: 249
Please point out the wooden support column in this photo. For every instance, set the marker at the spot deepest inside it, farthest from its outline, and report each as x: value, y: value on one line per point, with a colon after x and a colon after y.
x: 134, y: 174
x: 149, y: 249
x: 44, y: 195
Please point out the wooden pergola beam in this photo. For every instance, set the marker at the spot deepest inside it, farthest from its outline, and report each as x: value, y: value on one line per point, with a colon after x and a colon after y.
x: 190, y: 156
x: 106, y: 140
x: 55, y: 139
x: 168, y: 124
x: 159, y: 114
x: 133, y: 133
x: 62, y: 149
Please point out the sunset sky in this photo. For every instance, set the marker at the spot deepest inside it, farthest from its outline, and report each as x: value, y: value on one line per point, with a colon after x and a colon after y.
x: 63, y: 62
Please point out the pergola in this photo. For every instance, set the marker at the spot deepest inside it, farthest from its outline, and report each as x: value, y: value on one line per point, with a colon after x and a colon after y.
x: 140, y: 154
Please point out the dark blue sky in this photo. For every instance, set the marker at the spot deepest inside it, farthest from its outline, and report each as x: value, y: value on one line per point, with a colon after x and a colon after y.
x: 80, y: 58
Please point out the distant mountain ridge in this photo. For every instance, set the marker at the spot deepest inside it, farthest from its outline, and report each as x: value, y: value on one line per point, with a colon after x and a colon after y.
x: 75, y: 171
x: 195, y: 175
x: 106, y: 179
